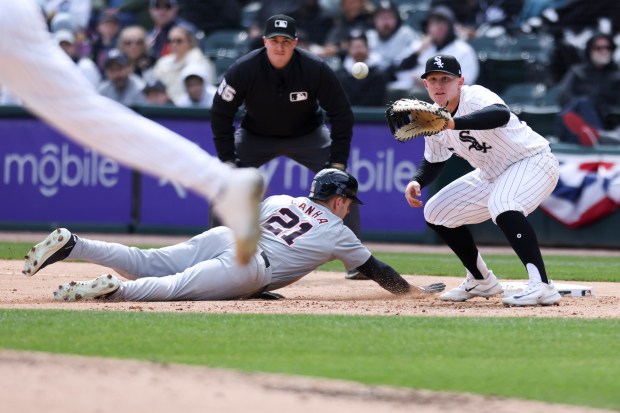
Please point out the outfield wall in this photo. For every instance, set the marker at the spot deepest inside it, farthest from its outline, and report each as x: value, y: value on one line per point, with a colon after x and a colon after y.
x: 49, y: 181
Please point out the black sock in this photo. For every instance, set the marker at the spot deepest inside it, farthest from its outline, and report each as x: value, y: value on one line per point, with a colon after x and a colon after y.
x: 461, y: 241
x: 522, y: 238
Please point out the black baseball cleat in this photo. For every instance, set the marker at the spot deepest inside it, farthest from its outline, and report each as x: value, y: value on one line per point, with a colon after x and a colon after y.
x: 56, y: 247
x: 355, y: 275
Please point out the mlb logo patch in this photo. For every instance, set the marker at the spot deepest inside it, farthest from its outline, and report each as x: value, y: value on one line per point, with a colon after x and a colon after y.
x: 281, y: 23
x: 299, y: 96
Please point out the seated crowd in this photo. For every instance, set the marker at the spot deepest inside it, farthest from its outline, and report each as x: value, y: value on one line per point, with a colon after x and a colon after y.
x: 152, y: 52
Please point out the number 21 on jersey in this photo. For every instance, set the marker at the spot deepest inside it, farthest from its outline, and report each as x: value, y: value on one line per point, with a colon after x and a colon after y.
x: 286, y: 225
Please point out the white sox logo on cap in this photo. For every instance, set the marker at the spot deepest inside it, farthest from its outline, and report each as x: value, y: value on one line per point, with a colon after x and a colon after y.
x: 442, y: 63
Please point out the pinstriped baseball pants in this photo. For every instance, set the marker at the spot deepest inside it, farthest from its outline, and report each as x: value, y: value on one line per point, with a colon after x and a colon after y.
x: 522, y: 187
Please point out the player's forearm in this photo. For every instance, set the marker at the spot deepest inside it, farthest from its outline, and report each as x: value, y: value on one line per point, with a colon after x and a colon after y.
x: 427, y: 172
x: 223, y: 137
x: 385, y: 276
x: 490, y: 117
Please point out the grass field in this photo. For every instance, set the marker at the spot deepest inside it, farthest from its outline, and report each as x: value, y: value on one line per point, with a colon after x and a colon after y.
x: 556, y: 360
x: 574, y: 361
x: 568, y: 268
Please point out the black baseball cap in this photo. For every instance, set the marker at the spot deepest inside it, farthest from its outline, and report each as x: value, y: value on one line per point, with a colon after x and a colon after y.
x: 280, y: 25
x: 154, y: 85
x: 442, y: 63
x: 115, y: 56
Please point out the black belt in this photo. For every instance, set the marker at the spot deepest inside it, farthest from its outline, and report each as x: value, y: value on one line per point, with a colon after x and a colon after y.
x: 267, y: 263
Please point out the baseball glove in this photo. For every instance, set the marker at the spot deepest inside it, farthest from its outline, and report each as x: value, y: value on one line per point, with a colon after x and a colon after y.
x: 410, y: 118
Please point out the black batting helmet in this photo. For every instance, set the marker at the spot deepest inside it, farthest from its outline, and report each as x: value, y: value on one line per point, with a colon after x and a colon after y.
x: 331, y: 182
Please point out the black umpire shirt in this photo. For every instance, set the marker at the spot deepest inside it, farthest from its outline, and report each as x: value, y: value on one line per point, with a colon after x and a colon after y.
x: 282, y: 103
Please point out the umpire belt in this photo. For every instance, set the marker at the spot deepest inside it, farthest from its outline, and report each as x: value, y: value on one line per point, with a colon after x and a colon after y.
x: 267, y: 263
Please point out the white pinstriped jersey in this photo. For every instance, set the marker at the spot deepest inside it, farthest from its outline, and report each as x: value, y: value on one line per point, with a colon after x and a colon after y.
x: 491, y: 150
x: 299, y: 235
x: 40, y: 74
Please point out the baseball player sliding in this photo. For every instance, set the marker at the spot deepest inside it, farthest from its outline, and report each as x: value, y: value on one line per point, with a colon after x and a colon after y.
x: 514, y: 172
x: 298, y: 235
x: 49, y: 83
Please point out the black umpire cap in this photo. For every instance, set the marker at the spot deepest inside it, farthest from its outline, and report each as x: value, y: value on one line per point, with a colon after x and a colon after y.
x: 280, y: 25
x: 442, y: 63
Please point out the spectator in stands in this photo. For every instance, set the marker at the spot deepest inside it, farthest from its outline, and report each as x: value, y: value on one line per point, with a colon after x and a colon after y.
x: 132, y: 42
x: 184, y: 50
x: 267, y: 9
x: 476, y: 17
x: 107, y: 30
x: 312, y: 25
x: 134, y: 12
x: 211, y: 15
x: 370, y: 91
x: 79, y: 12
x: 440, y: 38
x: 165, y: 16
x: 199, y: 91
x: 589, y: 93
x: 572, y: 23
x: 354, y: 15
x: 389, y: 37
x: 66, y: 41
x: 121, y: 84
x: 155, y: 94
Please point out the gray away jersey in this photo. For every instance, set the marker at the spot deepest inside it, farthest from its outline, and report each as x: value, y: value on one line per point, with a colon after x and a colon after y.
x: 299, y: 235
x: 491, y: 150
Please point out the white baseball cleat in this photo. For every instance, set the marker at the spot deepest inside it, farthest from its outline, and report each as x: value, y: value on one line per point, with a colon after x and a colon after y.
x: 56, y: 247
x: 472, y: 287
x: 81, y: 290
x: 536, y: 293
x: 238, y: 208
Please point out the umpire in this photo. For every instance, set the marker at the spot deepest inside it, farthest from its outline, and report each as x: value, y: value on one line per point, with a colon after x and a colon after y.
x: 284, y: 90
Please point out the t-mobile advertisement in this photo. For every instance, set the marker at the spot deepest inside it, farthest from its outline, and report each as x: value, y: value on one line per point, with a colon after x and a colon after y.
x: 47, y: 178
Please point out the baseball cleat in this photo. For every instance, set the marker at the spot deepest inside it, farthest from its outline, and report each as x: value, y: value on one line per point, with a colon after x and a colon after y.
x: 238, y: 208
x: 472, y: 287
x: 82, y: 290
x: 56, y: 247
x: 355, y: 275
x: 536, y: 293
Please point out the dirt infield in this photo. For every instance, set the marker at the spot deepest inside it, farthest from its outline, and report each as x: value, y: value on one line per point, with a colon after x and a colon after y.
x: 162, y: 388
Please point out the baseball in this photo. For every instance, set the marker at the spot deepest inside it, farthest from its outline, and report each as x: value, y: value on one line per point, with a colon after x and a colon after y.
x: 359, y: 70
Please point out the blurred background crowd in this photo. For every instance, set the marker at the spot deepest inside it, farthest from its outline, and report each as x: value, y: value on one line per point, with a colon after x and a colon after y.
x: 554, y: 62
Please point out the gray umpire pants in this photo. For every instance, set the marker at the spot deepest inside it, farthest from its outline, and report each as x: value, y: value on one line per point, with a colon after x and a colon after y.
x: 311, y: 150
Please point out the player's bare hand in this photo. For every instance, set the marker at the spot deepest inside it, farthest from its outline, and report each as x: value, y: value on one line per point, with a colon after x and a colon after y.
x: 433, y: 288
x: 450, y: 124
x: 412, y: 193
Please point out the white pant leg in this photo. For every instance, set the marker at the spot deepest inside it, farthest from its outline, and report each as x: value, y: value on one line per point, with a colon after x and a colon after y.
x: 218, y: 278
x: 37, y: 71
x: 133, y: 263
x: 202, y: 268
x: 472, y: 200
x: 463, y: 201
x: 524, y: 185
